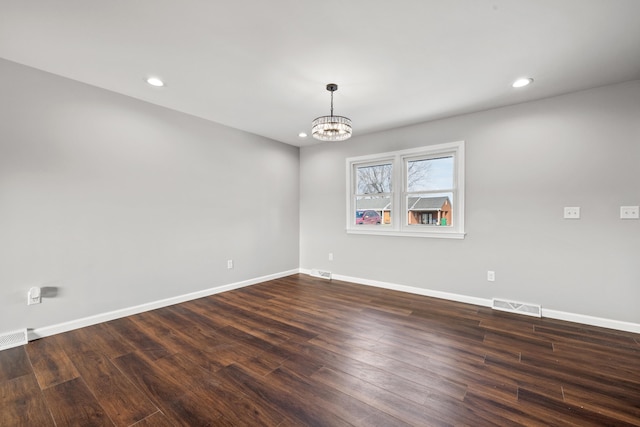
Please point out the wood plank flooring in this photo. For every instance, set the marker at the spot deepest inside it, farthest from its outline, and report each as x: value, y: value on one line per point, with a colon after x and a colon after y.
x: 300, y: 351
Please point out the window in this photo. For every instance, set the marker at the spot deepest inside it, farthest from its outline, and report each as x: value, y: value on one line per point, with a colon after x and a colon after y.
x: 373, y: 184
x: 417, y: 192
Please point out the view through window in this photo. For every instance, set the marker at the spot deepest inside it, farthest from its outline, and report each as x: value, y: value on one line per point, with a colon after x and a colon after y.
x: 418, y: 192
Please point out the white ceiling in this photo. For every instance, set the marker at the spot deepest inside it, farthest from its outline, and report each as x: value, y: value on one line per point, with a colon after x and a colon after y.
x: 262, y: 66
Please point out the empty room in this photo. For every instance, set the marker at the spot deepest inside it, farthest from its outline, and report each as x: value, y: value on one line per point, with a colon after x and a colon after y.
x: 293, y: 213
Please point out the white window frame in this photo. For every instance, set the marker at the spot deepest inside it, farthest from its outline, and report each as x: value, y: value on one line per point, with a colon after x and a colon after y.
x: 399, y: 220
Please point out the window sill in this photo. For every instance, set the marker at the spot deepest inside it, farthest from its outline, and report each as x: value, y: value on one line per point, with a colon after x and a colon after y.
x: 428, y: 234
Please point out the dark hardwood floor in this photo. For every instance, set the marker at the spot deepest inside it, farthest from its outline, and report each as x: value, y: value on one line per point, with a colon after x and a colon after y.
x: 301, y: 351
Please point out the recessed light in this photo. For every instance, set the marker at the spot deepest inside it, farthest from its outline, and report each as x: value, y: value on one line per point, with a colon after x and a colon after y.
x: 154, y: 81
x: 302, y: 135
x: 522, y: 82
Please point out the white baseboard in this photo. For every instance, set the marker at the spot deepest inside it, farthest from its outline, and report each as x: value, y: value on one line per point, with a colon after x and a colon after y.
x: 552, y: 314
x: 591, y: 320
x: 419, y: 291
x: 105, y: 317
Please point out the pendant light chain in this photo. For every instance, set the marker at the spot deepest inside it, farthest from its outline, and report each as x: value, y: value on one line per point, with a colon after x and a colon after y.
x: 332, y: 103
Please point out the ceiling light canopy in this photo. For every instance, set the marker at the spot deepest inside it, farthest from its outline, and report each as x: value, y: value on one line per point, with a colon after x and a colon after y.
x: 331, y: 128
x: 522, y: 82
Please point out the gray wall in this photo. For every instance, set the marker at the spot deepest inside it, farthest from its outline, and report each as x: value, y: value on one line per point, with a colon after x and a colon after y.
x: 116, y: 202
x: 524, y: 163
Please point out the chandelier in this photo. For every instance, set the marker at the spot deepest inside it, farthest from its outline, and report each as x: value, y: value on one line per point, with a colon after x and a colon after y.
x: 331, y: 128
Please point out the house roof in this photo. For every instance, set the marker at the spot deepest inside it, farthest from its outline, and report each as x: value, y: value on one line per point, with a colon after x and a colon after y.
x: 427, y: 203
x: 415, y: 203
x: 377, y: 204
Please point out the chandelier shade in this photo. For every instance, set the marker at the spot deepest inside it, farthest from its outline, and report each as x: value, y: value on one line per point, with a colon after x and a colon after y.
x: 331, y: 128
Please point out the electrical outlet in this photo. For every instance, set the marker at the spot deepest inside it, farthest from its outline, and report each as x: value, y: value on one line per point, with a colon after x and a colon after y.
x: 33, y: 296
x: 229, y: 263
x: 572, y: 212
x: 330, y: 256
x: 491, y: 276
x: 629, y: 212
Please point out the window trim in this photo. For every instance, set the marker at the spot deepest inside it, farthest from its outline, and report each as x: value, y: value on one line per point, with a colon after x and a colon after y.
x: 399, y: 225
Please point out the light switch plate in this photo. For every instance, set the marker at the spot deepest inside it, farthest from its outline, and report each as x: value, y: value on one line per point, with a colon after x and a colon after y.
x: 572, y: 212
x: 629, y: 212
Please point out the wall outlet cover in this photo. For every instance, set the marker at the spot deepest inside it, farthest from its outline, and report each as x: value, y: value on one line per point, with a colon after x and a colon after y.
x: 34, y: 296
x: 629, y: 212
x: 572, y: 212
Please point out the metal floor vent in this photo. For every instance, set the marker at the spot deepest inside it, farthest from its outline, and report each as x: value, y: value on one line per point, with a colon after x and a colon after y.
x: 517, y: 307
x: 13, y: 339
x: 321, y: 274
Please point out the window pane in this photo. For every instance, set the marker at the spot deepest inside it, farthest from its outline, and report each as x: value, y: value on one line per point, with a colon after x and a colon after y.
x: 430, y: 209
x: 373, y: 179
x: 373, y: 210
x: 430, y: 174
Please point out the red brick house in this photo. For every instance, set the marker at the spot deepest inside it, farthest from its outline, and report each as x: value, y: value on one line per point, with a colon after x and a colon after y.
x: 429, y: 210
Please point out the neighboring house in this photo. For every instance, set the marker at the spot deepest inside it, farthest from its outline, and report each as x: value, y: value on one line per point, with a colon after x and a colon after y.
x: 381, y: 205
x: 422, y: 210
x: 429, y: 210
